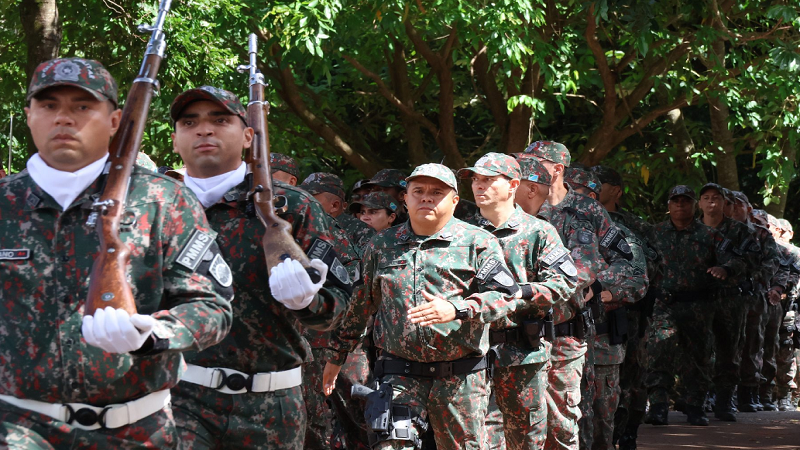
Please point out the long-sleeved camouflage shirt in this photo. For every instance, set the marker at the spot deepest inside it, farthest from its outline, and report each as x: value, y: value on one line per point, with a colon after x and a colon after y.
x: 265, y: 336
x: 689, y: 253
x: 601, y: 251
x: 460, y: 263
x: 357, y: 231
x: 536, y: 257
x: 46, y: 263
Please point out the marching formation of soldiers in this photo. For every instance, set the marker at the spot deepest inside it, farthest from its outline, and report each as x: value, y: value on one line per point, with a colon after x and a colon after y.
x: 541, y: 316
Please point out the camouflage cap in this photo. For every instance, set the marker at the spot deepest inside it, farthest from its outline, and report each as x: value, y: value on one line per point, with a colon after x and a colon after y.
x: 361, y: 184
x: 319, y: 182
x: 740, y: 197
x: 533, y: 170
x: 607, y: 175
x: 579, y: 177
x: 438, y: 171
x: 773, y: 221
x: 682, y: 190
x: 714, y: 186
x: 226, y: 99
x: 86, y: 74
x: 493, y: 164
x: 376, y: 200
x: 551, y: 151
x: 284, y: 163
x: 388, y: 178
x: 760, y: 216
x: 728, y: 194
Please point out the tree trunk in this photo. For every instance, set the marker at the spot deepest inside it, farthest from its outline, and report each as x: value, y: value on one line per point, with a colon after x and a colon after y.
x: 789, y: 154
x: 727, y: 173
x: 42, y: 28
x: 402, y: 88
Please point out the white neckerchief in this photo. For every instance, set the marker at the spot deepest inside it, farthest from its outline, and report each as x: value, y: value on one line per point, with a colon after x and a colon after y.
x: 210, y: 190
x: 64, y: 187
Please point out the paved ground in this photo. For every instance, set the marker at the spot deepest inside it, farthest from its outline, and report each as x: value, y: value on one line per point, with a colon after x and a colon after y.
x: 763, y: 430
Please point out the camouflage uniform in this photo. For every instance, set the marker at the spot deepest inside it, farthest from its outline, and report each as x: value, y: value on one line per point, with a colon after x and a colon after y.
x: 784, y: 378
x: 46, y: 280
x: 460, y: 263
x: 602, y: 255
x: 600, y: 387
x: 542, y: 267
x: 682, y: 319
x: 755, y: 322
x: 358, y: 233
x: 265, y: 336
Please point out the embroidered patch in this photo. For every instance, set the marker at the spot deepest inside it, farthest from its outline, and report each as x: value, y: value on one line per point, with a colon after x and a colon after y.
x: 584, y: 236
x: 194, y: 250
x: 339, y: 271
x: 319, y: 250
x: 220, y: 271
x: 14, y: 254
x: 568, y: 268
x: 487, y: 268
x: 504, y: 279
x: 609, y: 237
x: 554, y: 256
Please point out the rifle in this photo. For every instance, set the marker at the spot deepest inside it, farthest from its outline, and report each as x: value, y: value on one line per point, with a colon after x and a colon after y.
x: 278, y: 242
x: 108, y: 285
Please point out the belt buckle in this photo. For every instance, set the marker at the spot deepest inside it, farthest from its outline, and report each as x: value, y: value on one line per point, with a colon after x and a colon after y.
x: 234, y: 381
x: 446, y: 370
x: 86, y: 416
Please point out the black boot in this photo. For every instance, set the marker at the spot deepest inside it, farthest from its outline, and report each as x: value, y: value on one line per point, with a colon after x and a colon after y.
x: 756, y: 402
x: 746, y: 399
x: 722, y: 408
x: 696, y: 416
x: 628, y: 440
x: 711, y: 401
x: 658, y: 414
x: 765, y: 395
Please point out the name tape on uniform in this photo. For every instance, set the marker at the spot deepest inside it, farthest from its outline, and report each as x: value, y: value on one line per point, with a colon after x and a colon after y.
x: 193, y: 251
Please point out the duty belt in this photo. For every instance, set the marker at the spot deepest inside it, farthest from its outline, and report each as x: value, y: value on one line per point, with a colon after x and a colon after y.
x: 602, y: 327
x: 517, y: 335
x: 88, y: 417
x: 389, y: 364
x: 229, y: 381
x: 576, y: 327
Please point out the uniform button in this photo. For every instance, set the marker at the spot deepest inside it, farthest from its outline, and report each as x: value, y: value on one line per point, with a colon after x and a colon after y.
x: 69, y: 342
x: 64, y: 257
x: 75, y: 385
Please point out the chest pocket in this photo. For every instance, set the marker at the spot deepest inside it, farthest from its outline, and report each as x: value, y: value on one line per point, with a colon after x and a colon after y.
x: 454, y: 266
x: 394, y: 275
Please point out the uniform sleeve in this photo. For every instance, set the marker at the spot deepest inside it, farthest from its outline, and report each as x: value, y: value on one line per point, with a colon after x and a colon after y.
x: 196, y: 311
x: 314, y: 233
x: 556, y: 273
x: 620, y: 278
x: 770, y: 260
x: 364, y: 303
x: 493, y: 287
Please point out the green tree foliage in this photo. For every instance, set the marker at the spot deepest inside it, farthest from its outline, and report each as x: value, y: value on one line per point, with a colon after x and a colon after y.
x: 665, y: 91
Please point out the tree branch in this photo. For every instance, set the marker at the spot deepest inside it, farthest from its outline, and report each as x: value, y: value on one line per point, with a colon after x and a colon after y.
x: 609, y: 84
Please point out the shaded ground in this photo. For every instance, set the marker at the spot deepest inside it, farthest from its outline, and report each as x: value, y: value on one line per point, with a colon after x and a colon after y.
x: 763, y: 430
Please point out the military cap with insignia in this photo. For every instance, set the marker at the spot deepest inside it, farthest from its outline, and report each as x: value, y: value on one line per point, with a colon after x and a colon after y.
x: 86, y: 74
x: 437, y: 171
x: 607, y: 175
x: 550, y: 151
x: 319, y: 182
x: 682, y: 190
x: 533, y: 170
x: 226, y: 99
x: 579, y: 177
x: 388, y: 178
x: 491, y: 165
x: 375, y: 200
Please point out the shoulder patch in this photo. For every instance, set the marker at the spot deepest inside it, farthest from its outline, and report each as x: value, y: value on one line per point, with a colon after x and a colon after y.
x: 568, y: 268
x: 319, y: 249
x: 724, y: 245
x: 609, y: 237
x: 14, y: 254
x: 487, y: 268
x: 584, y: 236
x: 193, y: 251
x: 554, y: 256
x: 340, y: 272
x: 220, y: 271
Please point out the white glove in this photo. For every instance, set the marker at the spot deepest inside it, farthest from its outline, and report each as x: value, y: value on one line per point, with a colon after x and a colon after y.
x: 114, y: 331
x: 291, y: 285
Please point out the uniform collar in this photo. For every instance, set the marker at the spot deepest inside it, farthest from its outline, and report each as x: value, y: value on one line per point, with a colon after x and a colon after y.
x: 512, y: 223
x: 37, y: 198
x: 406, y: 234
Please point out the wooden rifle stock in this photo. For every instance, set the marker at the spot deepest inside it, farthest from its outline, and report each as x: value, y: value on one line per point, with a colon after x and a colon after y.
x: 108, y: 285
x: 278, y: 242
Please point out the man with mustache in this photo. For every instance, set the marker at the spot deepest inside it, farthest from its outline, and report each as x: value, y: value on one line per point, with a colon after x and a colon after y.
x: 433, y: 285
x: 102, y: 381
x: 246, y: 392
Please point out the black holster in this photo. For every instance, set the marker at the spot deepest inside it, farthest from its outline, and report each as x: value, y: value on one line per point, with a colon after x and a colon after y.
x: 618, y: 326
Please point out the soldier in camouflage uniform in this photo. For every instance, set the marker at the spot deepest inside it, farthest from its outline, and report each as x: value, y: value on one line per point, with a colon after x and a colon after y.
x: 60, y: 390
x: 601, y: 394
x: 755, y: 321
x: 694, y: 257
x: 328, y: 189
x: 284, y: 168
x: 246, y: 392
x: 547, y: 275
x: 633, y: 396
x: 379, y: 210
x: 602, y: 255
x: 433, y: 285
x: 390, y: 181
x: 784, y: 379
x: 732, y: 299
x: 349, y: 428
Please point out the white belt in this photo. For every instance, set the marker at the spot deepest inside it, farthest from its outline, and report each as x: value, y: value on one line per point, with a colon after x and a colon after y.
x: 88, y: 417
x: 229, y: 381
